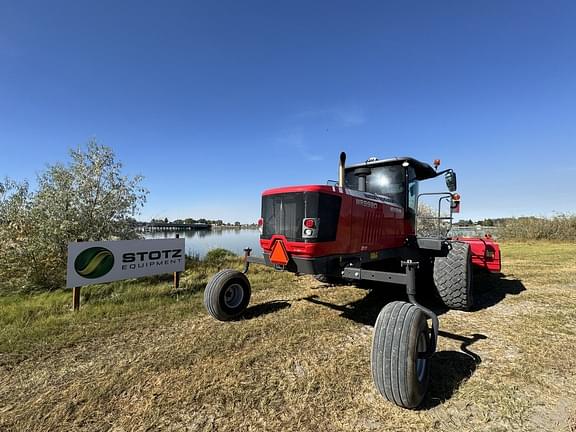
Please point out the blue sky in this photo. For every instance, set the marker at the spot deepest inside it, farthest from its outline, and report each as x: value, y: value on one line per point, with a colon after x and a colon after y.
x: 215, y: 101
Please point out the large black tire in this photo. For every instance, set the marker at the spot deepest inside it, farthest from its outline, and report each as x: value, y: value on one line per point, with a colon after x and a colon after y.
x: 453, y: 277
x: 227, y: 295
x: 400, y: 371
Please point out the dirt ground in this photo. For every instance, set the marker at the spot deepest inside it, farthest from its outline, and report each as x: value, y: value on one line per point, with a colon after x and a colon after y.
x: 299, y: 361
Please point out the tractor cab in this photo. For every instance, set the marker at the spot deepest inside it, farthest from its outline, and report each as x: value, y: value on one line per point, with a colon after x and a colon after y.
x: 396, y: 180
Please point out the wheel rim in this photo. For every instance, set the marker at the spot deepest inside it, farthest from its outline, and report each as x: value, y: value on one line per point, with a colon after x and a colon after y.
x: 233, y: 296
x: 421, y: 362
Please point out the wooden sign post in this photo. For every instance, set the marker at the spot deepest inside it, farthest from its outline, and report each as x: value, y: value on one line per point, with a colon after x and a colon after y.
x: 76, y: 294
x: 177, y: 274
x: 76, y: 298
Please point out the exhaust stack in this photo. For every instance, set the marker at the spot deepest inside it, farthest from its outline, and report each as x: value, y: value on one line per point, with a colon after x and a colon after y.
x: 341, y: 166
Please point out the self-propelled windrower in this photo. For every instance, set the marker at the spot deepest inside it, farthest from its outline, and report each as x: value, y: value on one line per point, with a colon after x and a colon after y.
x: 362, y: 228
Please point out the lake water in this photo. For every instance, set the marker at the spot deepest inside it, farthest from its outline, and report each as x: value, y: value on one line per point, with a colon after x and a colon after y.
x: 201, y: 241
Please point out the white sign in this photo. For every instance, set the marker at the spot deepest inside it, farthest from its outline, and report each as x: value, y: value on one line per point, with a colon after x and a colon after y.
x: 106, y: 261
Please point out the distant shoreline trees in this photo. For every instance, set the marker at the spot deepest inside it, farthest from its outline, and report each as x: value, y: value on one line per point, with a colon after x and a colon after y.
x: 191, y: 221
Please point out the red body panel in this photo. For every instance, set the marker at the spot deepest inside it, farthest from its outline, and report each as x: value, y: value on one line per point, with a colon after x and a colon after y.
x: 369, y: 223
x: 365, y: 224
x: 485, y: 252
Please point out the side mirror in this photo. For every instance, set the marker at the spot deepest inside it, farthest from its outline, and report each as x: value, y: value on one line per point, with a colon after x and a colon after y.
x: 450, y: 178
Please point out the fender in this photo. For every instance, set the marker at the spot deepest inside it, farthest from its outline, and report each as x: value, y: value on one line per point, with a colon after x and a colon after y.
x: 485, y: 252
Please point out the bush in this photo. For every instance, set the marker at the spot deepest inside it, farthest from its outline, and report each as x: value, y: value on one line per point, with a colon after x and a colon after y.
x: 87, y: 199
x: 218, y: 256
x: 560, y: 227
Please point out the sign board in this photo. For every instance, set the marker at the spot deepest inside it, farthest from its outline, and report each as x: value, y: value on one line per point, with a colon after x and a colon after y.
x: 106, y: 261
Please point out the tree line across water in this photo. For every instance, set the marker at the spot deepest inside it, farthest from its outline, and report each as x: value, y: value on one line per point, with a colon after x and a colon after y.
x: 191, y: 221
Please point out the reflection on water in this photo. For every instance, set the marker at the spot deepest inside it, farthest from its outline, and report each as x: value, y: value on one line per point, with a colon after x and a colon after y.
x: 201, y: 241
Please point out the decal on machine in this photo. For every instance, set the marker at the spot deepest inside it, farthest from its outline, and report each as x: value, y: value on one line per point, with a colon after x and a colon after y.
x: 366, y: 203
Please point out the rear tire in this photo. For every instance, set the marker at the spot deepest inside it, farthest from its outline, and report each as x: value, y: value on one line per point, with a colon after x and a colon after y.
x: 453, y: 277
x: 227, y: 295
x: 401, y: 337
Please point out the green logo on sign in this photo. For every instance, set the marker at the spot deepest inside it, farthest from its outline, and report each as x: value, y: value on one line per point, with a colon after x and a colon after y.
x: 94, y: 262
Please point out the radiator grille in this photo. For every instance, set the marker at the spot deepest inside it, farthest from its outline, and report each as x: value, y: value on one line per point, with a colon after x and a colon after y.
x: 283, y: 214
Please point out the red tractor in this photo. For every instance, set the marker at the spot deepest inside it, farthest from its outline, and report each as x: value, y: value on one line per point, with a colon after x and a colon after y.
x: 364, y: 227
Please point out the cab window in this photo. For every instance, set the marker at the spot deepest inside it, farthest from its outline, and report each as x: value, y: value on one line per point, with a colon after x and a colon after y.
x: 383, y: 180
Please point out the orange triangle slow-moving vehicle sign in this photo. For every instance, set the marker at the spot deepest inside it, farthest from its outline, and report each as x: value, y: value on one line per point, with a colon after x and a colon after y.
x: 279, y: 254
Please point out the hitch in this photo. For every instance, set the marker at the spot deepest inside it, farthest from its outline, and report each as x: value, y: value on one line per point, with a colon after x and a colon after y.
x: 246, y: 261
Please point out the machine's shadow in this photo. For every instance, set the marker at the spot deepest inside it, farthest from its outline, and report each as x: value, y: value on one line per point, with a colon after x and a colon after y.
x: 449, y: 368
x: 264, y: 309
x: 489, y: 290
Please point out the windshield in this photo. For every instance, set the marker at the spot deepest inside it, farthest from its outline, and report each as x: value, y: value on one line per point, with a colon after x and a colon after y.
x: 384, y: 180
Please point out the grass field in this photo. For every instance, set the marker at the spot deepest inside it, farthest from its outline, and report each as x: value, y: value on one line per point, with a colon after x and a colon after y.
x: 140, y: 356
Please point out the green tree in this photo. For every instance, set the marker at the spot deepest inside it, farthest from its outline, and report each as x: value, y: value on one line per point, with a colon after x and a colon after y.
x: 89, y: 198
x: 488, y: 222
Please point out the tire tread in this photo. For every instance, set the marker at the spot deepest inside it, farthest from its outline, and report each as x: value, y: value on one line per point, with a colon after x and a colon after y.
x: 214, y: 288
x: 451, y: 277
x: 395, y: 326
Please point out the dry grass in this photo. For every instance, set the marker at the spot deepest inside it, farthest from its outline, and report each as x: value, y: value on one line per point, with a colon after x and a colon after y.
x: 140, y: 357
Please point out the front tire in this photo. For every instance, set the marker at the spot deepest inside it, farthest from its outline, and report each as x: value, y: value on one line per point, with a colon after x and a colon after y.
x: 400, y: 370
x: 453, y: 277
x: 227, y: 295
